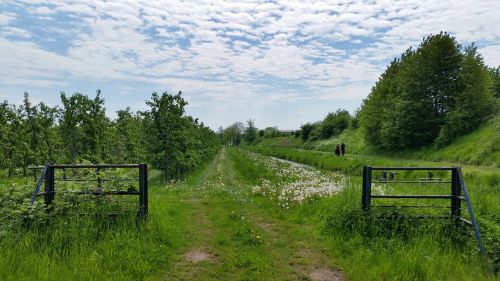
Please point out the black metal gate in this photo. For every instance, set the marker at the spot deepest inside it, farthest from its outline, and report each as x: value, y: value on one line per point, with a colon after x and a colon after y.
x: 458, y: 192
x: 48, y: 179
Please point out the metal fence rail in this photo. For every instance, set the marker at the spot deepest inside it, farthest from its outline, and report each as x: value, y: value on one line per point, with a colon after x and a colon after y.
x: 458, y: 194
x: 49, y: 180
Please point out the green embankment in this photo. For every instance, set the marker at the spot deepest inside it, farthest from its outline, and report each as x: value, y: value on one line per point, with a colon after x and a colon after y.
x: 481, y: 147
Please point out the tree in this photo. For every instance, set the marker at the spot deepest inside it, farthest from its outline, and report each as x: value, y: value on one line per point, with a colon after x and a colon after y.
x: 495, y: 77
x: 220, y: 133
x: 334, y: 123
x: 271, y: 132
x: 250, y: 131
x: 306, y: 129
x: 50, y: 140
x: 473, y: 103
x: 83, y: 128
x: 174, y: 142
x: 420, y: 93
x: 30, y: 131
x: 11, y: 138
x: 163, y: 127
x: 232, y: 134
x: 128, y: 146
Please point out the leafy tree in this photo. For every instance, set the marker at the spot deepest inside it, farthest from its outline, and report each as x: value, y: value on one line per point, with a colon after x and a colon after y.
x: 495, y: 77
x: 250, y: 131
x: 81, y: 131
x: 271, y: 132
x: 4, y: 134
x: 232, y: 134
x: 220, y: 133
x: 335, y: 123
x: 11, y: 136
x: 306, y: 129
x: 473, y: 104
x: 82, y: 128
x: 50, y: 144
x: 163, y: 128
x: 423, y: 92
x: 128, y: 144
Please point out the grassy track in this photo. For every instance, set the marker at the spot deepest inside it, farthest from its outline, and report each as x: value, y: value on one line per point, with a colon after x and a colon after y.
x: 213, y: 227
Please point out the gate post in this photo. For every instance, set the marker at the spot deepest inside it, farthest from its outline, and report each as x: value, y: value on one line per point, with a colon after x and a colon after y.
x: 49, y: 186
x: 143, y: 190
x: 367, y: 188
x: 455, y: 192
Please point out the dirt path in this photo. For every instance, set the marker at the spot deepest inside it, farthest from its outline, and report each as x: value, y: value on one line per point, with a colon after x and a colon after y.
x: 232, y: 238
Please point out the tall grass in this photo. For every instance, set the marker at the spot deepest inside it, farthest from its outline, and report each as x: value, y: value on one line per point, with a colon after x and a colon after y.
x: 393, y: 245
x: 87, y: 247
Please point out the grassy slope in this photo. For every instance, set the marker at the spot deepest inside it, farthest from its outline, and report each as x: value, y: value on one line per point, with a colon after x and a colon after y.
x: 481, y: 147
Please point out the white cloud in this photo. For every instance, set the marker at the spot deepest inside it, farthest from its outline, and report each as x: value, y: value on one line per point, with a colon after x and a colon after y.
x: 236, y: 50
x: 6, y: 18
x: 491, y: 55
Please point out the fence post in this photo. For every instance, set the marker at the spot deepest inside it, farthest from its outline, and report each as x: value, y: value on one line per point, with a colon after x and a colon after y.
x: 367, y: 188
x: 143, y: 190
x: 455, y: 192
x: 99, y: 184
x: 49, y: 186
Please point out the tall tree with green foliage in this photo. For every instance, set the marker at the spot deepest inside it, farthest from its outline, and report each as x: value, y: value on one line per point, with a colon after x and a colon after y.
x: 334, y: 123
x: 12, y: 136
x: 30, y: 130
x: 232, y: 134
x: 423, y: 93
x: 82, y: 128
x: 470, y: 106
x: 305, y: 130
x: 50, y: 140
x: 250, y: 131
x: 495, y: 77
x: 128, y: 143
x: 163, y: 128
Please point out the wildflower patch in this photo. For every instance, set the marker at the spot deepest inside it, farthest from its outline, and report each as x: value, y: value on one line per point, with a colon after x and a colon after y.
x: 295, y: 183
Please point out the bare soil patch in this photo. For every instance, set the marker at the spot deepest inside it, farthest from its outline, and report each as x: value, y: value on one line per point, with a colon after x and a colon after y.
x: 326, y: 274
x: 198, y: 255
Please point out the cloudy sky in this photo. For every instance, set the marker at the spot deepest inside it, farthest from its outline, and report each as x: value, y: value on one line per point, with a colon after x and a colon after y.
x: 279, y: 62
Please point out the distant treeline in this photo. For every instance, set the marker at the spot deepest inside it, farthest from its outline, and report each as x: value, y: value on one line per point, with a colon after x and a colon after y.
x: 79, y: 131
x: 247, y: 133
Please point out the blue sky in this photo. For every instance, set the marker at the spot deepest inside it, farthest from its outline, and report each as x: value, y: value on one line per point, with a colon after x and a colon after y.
x: 282, y: 63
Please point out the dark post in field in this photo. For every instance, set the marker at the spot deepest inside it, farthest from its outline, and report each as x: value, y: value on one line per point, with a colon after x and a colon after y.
x: 143, y: 190
x: 367, y: 188
x: 456, y: 189
x: 49, y: 186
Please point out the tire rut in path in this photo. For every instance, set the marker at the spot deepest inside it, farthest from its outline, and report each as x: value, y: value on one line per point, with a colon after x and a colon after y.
x: 305, y: 262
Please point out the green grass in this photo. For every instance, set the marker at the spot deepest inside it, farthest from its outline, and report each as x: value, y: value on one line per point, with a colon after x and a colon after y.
x: 288, y: 141
x: 246, y: 236
x: 381, y: 247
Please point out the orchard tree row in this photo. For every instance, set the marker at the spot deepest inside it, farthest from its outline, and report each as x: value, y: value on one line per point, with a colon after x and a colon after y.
x: 80, y: 131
